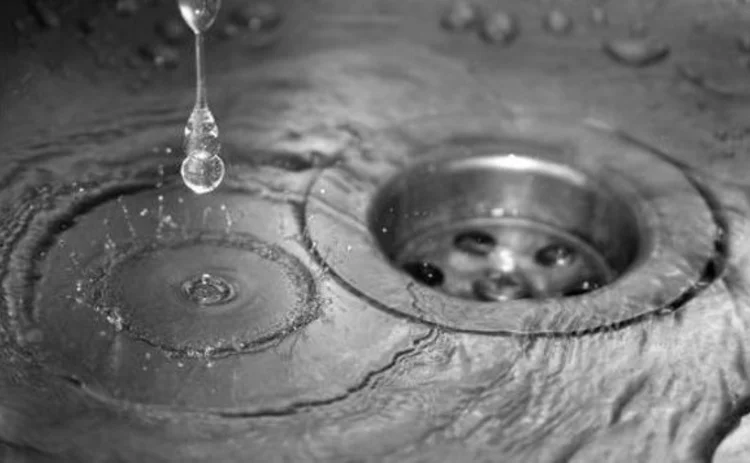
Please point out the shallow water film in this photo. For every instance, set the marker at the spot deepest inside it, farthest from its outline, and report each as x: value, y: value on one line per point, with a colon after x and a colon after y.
x: 511, y: 231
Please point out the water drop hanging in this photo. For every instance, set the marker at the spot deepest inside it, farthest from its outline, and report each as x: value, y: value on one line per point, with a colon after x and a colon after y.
x: 202, y: 169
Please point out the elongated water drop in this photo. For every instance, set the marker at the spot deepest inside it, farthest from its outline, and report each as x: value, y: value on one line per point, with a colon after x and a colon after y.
x: 202, y: 169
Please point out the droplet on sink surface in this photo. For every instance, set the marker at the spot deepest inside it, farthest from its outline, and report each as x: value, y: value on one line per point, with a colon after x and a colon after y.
x: 499, y: 27
x: 636, y: 52
x: 459, y: 15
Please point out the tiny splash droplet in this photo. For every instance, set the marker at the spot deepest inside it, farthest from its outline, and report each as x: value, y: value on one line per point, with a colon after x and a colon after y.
x: 499, y: 27
x: 459, y: 15
x: 557, y: 22
x: 635, y: 52
x: 202, y: 172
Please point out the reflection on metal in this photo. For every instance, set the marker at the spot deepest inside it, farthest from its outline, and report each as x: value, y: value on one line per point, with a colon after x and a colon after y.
x: 576, y: 212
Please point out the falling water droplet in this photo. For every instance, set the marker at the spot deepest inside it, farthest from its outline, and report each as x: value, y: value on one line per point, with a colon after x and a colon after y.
x: 202, y: 169
x: 558, y: 23
x: 499, y: 27
x: 199, y: 14
x: 636, y: 52
x: 459, y: 15
x: 202, y: 172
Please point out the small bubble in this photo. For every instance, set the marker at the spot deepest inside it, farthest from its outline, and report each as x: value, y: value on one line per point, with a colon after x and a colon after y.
x: 635, y: 52
x: 557, y: 22
x: 208, y: 290
x: 173, y: 31
x: 162, y: 56
x: 202, y: 174
x: 499, y: 27
x: 459, y: 15
x: 258, y: 17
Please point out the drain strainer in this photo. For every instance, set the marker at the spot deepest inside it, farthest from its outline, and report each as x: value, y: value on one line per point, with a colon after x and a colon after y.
x: 546, y: 227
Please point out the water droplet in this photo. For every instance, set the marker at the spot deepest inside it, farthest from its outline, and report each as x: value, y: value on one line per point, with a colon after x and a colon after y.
x: 258, y: 17
x: 501, y: 287
x: 202, y: 172
x: 201, y: 133
x: 598, y: 16
x: 163, y: 56
x: 475, y: 242
x: 199, y: 14
x: 555, y: 255
x: 636, y: 52
x: 557, y: 22
x: 173, y: 31
x: 459, y: 15
x: 583, y: 288
x: 499, y: 27
x: 425, y: 272
x: 208, y: 290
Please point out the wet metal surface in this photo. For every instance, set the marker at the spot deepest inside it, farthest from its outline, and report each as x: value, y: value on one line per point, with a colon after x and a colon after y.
x: 269, y: 321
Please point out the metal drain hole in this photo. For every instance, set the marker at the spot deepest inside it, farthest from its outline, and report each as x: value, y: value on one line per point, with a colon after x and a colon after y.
x: 555, y: 255
x: 475, y: 242
x: 505, y: 227
x: 425, y: 272
x: 502, y: 287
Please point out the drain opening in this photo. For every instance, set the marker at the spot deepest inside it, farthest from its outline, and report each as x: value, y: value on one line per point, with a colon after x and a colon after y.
x: 505, y: 227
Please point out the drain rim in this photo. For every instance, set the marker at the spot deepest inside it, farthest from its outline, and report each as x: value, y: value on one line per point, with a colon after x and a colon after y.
x: 668, y: 272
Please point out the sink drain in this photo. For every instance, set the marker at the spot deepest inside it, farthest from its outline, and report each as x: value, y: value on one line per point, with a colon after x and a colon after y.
x: 531, y: 226
x: 503, y: 227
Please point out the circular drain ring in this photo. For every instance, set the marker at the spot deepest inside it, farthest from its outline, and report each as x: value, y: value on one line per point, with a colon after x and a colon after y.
x: 684, y: 231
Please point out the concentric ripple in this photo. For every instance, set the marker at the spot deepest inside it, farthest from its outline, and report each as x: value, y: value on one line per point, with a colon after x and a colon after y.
x: 132, y: 255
